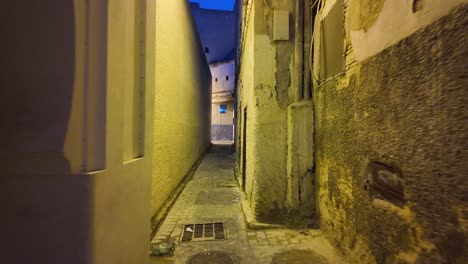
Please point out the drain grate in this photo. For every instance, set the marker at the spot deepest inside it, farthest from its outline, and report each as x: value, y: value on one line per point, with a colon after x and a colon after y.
x: 203, y: 232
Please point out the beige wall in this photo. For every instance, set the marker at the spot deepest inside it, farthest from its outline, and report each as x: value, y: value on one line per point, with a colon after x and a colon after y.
x: 183, y: 94
x: 390, y: 93
x: 222, y: 119
x: 245, y: 99
x: 77, y: 129
x: 77, y: 170
x: 219, y: 71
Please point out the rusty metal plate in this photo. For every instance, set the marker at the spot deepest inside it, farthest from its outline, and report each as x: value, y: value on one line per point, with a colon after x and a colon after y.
x: 386, y: 183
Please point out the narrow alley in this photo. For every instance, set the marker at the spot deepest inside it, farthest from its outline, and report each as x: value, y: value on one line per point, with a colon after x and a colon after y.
x: 211, y: 198
x: 234, y: 131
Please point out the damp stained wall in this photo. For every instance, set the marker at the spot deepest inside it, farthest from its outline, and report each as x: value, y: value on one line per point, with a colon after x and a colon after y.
x: 182, y: 99
x: 266, y: 90
x: 400, y: 100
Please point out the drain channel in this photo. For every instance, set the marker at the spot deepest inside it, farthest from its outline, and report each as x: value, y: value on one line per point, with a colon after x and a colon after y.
x: 203, y: 232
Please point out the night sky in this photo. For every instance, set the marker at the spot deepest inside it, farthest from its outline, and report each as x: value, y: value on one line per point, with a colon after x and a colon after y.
x: 225, y: 5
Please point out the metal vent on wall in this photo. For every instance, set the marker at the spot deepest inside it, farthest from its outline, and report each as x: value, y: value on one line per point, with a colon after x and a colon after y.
x: 385, y: 183
x: 203, y: 232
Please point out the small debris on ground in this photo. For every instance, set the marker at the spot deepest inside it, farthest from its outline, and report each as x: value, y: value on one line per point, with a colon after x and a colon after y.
x: 162, y: 248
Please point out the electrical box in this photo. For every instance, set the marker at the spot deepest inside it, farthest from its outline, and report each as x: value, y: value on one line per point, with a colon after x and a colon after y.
x: 280, y: 25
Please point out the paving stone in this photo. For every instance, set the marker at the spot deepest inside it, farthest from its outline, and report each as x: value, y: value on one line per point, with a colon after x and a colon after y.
x: 274, y: 242
x: 250, y: 244
x: 261, y: 234
x: 253, y: 242
x: 294, y: 241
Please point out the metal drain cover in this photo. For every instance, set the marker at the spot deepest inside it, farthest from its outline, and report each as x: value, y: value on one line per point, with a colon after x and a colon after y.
x: 213, y: 257
x: 203, y: 232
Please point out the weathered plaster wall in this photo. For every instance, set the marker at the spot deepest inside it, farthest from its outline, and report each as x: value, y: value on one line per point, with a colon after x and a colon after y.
x: 372, y: 26
x: 401, y: 101
x: 267, y: 88
x: 183, y: 99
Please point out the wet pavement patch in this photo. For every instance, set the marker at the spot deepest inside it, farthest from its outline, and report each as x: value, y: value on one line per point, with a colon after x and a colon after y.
x: 213, y: 257
x: 297, y: 256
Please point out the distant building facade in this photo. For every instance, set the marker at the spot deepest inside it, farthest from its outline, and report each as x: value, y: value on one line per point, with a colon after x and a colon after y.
x: 222, y: 116
x: 219, y: 34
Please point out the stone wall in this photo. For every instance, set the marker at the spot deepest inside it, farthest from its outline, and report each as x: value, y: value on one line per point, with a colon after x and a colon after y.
x: 400, y: 102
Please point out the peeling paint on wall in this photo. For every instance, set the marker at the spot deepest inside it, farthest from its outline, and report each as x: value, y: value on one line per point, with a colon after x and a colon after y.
x: 268, y: 90
x: 283, y: 73
x: 387, y: 30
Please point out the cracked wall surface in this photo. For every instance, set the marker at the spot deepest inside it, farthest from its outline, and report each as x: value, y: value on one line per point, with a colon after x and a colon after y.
x: 266, y: 90
x: 401, y: 101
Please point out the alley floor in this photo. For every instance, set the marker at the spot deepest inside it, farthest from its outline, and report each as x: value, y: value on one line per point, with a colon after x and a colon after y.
x: 209, y: 211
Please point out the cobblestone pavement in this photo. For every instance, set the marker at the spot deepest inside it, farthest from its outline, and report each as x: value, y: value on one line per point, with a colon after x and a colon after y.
x: 213, y: 196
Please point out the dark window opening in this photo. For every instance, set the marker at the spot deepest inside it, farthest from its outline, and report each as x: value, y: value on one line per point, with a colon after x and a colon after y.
x: 216, y: 79
x: 222, y: 109
x: 227, y: 78
x: 207, y: 50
